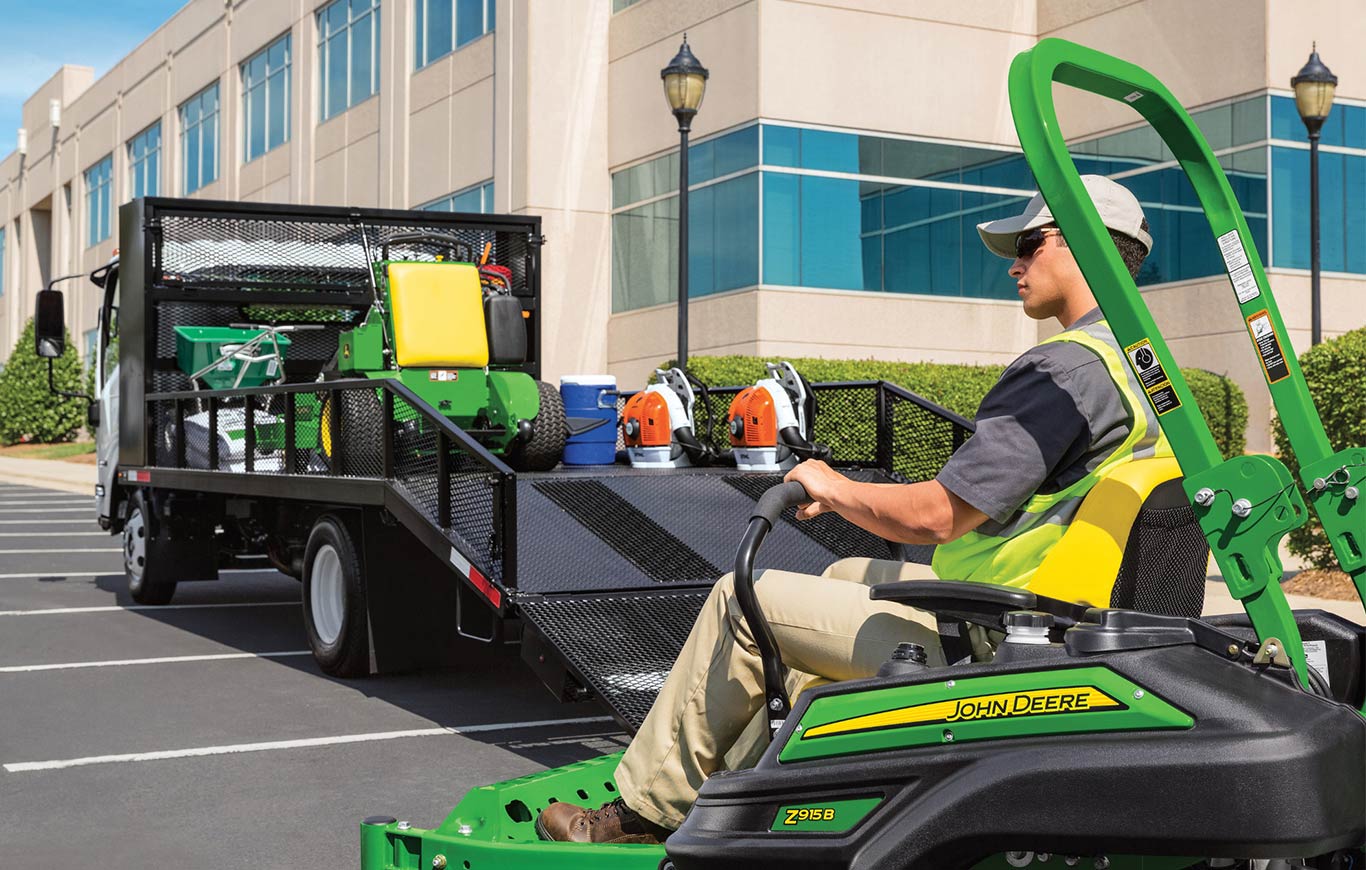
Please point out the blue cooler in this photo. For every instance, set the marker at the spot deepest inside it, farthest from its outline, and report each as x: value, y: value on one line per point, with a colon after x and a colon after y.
x: 590, y: 410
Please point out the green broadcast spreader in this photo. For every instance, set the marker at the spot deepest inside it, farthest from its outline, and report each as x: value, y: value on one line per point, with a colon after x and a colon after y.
x: 1130, y: 740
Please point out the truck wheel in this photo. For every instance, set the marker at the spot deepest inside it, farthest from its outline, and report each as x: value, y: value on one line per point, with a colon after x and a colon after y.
x: 144, y: 562
x: 360, y: 452
x: 334, y: 601
x: 546, y: 447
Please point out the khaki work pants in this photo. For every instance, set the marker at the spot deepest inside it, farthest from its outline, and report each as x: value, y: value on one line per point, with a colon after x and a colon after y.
x: 709, y: 715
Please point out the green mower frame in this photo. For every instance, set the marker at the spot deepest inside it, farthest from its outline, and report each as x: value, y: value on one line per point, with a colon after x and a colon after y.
x: 1245, y: 506
x: 514, y: 416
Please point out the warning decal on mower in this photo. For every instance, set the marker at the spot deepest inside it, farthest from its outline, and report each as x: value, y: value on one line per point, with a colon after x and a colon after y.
x: 1006, y: 705
x: 443, y: 375
x: 1238, y: 267
x: 1153, y: 377
x: 1268, y: 346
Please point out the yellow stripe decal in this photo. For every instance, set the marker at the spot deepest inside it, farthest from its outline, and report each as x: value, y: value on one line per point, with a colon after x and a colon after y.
x: 1006, y: 705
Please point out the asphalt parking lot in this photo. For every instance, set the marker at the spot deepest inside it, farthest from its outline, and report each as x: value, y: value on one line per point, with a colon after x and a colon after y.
x: 202, y: 734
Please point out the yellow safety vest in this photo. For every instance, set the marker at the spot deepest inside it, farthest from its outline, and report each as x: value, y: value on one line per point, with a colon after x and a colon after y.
x: 1010, y: 555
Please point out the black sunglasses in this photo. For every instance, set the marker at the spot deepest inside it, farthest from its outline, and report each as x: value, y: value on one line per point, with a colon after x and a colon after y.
x: 1027, y: 243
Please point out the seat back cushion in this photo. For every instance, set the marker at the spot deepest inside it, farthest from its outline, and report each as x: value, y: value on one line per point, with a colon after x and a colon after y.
x: 1083, y: 565
x: 438, y: 315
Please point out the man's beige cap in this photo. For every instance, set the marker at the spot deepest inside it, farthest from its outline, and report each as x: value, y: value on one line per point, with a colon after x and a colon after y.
x: 1119, y: 210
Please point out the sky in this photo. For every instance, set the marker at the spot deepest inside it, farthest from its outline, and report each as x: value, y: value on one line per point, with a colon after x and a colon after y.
x: 41, y: 36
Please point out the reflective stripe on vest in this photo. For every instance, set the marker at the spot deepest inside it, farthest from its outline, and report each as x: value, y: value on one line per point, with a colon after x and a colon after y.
x: 1009, y: 553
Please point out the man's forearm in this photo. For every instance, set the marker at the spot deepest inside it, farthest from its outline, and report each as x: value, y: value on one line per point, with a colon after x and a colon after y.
x: 917, y: 513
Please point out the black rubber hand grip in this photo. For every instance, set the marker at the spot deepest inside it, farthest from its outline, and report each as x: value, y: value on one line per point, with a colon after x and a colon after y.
x: 778, y: 499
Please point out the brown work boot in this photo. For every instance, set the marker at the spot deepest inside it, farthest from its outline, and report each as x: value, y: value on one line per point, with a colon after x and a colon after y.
x: 613, y: 822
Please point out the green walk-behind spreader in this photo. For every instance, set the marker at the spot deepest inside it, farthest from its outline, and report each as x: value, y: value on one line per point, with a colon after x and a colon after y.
x: 1130, y: 739
x: 451, y: 331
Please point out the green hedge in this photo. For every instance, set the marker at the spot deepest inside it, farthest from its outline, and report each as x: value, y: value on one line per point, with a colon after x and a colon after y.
x: 1335, y: 372
x: 960, y: 388
x: 28, y: 411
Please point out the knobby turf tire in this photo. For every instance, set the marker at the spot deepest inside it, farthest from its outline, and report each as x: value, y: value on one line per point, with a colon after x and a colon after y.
x: 546, y: 447
x: 151, y: 577
x: 340, y: 639
x: 360, y: 452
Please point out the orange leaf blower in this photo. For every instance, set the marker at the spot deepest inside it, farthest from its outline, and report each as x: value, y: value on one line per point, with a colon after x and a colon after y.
x: 771, y: 423
x: 658, y: 425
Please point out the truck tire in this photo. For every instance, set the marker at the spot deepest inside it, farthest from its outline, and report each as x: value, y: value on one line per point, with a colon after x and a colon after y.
x: 546, y: 447
x: 334, y: 600
x: 150, y: 580
x: 360, y: 452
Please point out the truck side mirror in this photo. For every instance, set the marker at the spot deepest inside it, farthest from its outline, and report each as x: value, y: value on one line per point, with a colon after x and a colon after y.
x: 92, y: 415
x: 49, y: 325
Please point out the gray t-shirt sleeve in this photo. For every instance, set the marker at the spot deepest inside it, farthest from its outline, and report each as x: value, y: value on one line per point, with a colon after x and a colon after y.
x: 1036, y: 429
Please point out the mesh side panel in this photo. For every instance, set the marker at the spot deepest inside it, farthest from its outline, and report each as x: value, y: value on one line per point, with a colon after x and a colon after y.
x: 313, y: 256
x: 357, y: 444
x: 921, y: 441
x: 831, y: 531
x: 472, y: 511
x: 605, y: 640
x: 846, y: 421
x: 1163, y: 570
x: 471, y: 495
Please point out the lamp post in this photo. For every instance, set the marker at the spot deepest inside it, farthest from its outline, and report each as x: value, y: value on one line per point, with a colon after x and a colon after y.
x: 1314, y: 85
x: 685, y: 81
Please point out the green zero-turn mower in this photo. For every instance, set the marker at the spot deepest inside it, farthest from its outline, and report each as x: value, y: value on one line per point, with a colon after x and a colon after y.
x: 1125, y: 739
x: 451, y: 331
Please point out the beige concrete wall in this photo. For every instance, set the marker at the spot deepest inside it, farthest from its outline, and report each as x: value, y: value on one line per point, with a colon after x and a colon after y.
x: 1203, y: 52
x: 879, y: 65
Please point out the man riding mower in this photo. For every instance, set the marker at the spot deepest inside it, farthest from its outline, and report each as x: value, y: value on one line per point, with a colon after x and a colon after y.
x: 1094, y: 736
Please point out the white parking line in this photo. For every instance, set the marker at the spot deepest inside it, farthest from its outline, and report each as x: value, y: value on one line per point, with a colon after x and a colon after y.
x: 114, y: 608
x: 115, y: 572
x: 52, y: 534
x: 45, y: 522
x: 164, y: 660
x: 66, y: 550
x: 88, y: 502
x: 63, y: 510
x: 304, y: 743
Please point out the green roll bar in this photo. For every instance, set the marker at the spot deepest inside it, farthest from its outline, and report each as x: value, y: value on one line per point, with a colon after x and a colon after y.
x: 1245, y: 505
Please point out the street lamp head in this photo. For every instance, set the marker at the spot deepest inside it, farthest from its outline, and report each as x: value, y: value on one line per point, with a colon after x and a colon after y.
x: 1314, y: 87
x: 685, y: 81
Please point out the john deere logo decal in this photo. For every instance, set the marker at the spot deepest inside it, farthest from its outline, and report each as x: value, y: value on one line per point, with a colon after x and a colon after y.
x: 1006, y: 705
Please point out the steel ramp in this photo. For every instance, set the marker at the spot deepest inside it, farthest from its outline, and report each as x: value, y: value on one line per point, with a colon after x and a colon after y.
x: 613, y: 568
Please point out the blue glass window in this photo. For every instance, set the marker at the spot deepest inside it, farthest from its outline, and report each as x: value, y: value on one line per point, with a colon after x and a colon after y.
x: 645, y: 255
x: 477, y: 199
x: 443, y: 25
x: 199, y: 139
x: 348, y: 50
x: 723, y: 230
x: 98, y: 205
x: 265, y: 99
x: 722, y: 156
x: 144, y: 162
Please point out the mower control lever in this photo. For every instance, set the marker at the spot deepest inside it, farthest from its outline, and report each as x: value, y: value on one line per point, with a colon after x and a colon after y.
x: 766, y: 513
x: 454, y: 245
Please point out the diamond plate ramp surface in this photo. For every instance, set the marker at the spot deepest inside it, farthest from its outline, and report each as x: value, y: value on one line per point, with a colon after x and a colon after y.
x: 621, y: 646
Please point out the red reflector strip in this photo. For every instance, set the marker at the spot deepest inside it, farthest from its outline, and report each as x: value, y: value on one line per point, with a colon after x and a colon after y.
x: 140, y: 476
x: 491, y: 592
x: 483, y: 585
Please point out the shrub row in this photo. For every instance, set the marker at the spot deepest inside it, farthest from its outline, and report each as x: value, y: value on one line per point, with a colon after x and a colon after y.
x: 960, y: 388
x: 28, y: 410
x: 1335, y: 372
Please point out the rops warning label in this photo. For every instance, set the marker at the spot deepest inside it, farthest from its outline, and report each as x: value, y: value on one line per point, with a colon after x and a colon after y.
x: 1268, y: 346
x: 1238, y: 267
x: 1153, y: 377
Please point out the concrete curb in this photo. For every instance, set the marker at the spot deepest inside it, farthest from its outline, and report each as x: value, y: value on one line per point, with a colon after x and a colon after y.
x: 50, y: 474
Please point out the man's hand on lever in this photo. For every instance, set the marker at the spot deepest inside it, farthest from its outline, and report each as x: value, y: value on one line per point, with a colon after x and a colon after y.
x: 821, y: 482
